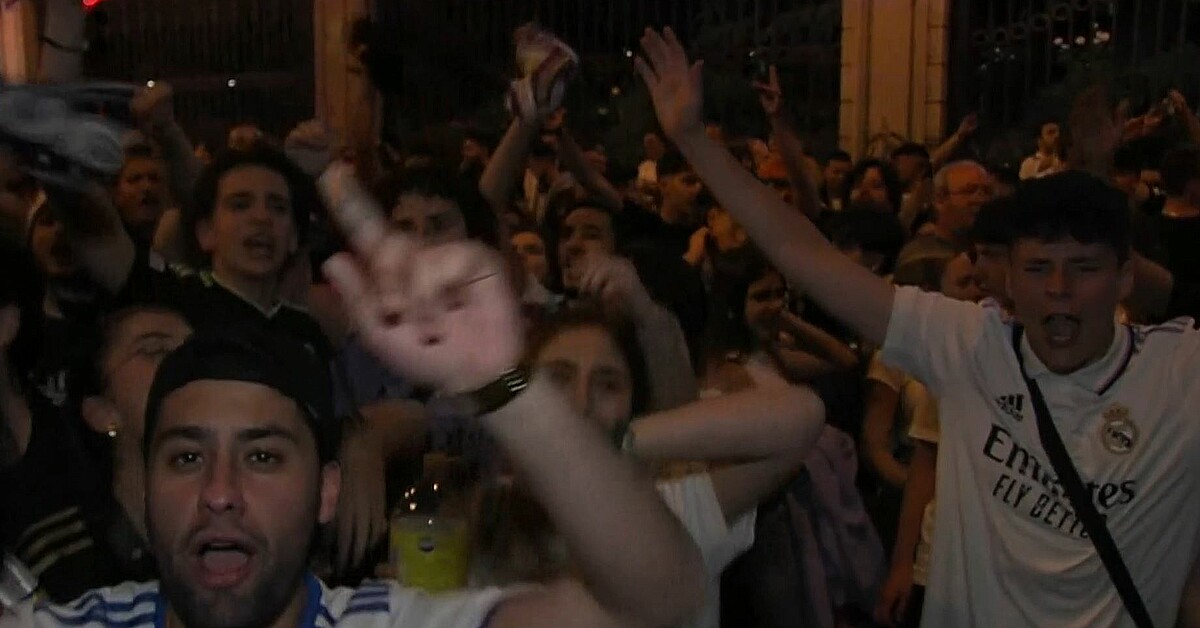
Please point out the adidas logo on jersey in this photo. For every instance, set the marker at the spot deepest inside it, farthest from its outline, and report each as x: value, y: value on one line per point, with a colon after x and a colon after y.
x: 1011, y: 405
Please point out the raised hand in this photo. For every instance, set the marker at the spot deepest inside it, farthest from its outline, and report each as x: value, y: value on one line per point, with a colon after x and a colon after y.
x: 676, y: 87
x: 769, y: 93
x: 444, y: 315
x: 614, y: 283
x: 154, y: 107
x: 311, y: 145
x: 969, y: 124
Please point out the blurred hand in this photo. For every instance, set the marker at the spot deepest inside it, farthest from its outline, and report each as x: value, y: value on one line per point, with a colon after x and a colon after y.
x: 676, y: 87
x: 697, y: 247
x: 154, y: 106
x: 614, y: 283
x: 311, y: 146
x: 893, y: 598
x: 362, y: 507
x: 968, y: 126
x: 769, y: 94
x: 443, y: 315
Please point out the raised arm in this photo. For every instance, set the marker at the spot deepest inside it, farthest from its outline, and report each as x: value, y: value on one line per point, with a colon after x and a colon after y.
x: 503, y: 170
x: 800, y: 167
x: 786, y: 236
x: 762, y: 434
x: 446, y: 316
x: 613, y: 282
x: 155, y: 112
x: 98, y: 238
x: 942, y: 154
x: 571, y: 156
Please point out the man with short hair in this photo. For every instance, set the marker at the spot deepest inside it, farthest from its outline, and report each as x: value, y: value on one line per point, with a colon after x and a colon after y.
x: 833, y: 178
x: 1011, y: 545
x: 960, y: 188
x: 140, y: 193
x: 239, y: 446
x: 1047, y: 160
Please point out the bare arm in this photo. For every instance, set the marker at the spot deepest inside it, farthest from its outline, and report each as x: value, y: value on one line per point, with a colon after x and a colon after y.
x: 788, y: 238
x: 503, y: 170
x: 942, y: 154
x: 820, y: 341
x: 1186, y: 115
x: 98, y: 237
x: 638, y: 561
x: 613, y: 282
x: 764, y: 434
x: 880, y: 418
x: 572, y: 157
x: 799, y: 166
x: 918, y: 492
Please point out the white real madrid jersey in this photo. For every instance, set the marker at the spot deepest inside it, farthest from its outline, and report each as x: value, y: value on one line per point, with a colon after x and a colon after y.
x: 1009, y: 550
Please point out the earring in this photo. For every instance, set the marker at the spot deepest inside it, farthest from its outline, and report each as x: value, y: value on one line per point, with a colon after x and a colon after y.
x: 111, y: 431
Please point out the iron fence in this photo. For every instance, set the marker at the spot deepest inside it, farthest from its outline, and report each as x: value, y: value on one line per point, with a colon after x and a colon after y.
x: 229, y: 60
x: 457, y: 54
x: 1018, y: 61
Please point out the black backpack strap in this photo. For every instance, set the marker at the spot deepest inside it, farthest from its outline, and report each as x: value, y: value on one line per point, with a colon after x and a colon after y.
x: 1081, y: 498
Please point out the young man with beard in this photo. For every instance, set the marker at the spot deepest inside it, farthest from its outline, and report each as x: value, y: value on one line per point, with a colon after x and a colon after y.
x: 1010, y: 544
x: 239, y: 451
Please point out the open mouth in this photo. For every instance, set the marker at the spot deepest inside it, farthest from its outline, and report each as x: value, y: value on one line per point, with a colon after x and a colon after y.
x: 1061, y: 329
x: 260, y: 245
x: 223, y: 563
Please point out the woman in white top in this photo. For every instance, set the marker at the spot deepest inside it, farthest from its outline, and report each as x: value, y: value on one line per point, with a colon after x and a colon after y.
x: 751, y: 443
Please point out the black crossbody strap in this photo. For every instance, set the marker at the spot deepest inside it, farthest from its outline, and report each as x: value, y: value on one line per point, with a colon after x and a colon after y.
x: 1081, y: 498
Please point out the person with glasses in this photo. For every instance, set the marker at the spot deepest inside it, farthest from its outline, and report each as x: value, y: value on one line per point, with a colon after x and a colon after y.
x: 959, y: 190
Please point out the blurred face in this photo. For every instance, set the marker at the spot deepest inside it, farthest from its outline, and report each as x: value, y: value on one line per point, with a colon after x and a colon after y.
x: 679, y: 192
x: 585, y: 231
x: 251, y: 233
x: 138, y: 345
x: 587, y: 364
x: 968, y: 187
x: 958, y: 280
x: 532, y: 250
x: 141, y: 193
x: 234, y: 490
x: 18, y: 190
x: 1049, y: 137
x: 244, y: 137
x: 910, y: 168
x: 473, y: 151
x: 431, y: 219
x: 654, y: 146
x: 765, y: 300
x: 597, y: 160
x: 1066, y: 294
x: 835, y: 174
x: 50, y: 246
x: 991, y: 271
x: 871, y: 187
x: 725, y: 232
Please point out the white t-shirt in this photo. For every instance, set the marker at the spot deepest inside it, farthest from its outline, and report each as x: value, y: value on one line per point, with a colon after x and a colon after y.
x: 694, y: 501
x: 924, y: 427
x: 372, y: 605
x: 1009, y: 550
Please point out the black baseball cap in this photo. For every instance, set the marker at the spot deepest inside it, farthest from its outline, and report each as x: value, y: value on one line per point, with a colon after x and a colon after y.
x: 257, y: 355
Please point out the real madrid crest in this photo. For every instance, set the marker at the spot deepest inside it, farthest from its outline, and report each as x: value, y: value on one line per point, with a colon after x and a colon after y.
x: 1118, y: 433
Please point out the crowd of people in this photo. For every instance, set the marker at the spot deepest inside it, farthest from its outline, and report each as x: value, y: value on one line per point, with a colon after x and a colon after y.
x: 709, y: 393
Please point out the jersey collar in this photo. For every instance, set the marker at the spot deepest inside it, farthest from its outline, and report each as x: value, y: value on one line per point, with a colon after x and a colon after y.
x: 1098, y: 376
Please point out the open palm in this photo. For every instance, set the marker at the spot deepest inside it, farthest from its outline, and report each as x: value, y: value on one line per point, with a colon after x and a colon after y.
x: 443, y: 315
x: 676, y: 87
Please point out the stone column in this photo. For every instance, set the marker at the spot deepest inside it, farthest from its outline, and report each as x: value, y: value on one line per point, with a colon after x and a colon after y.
x: 346, y: 100
x: 18, y: 41
x: 893, y: 70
